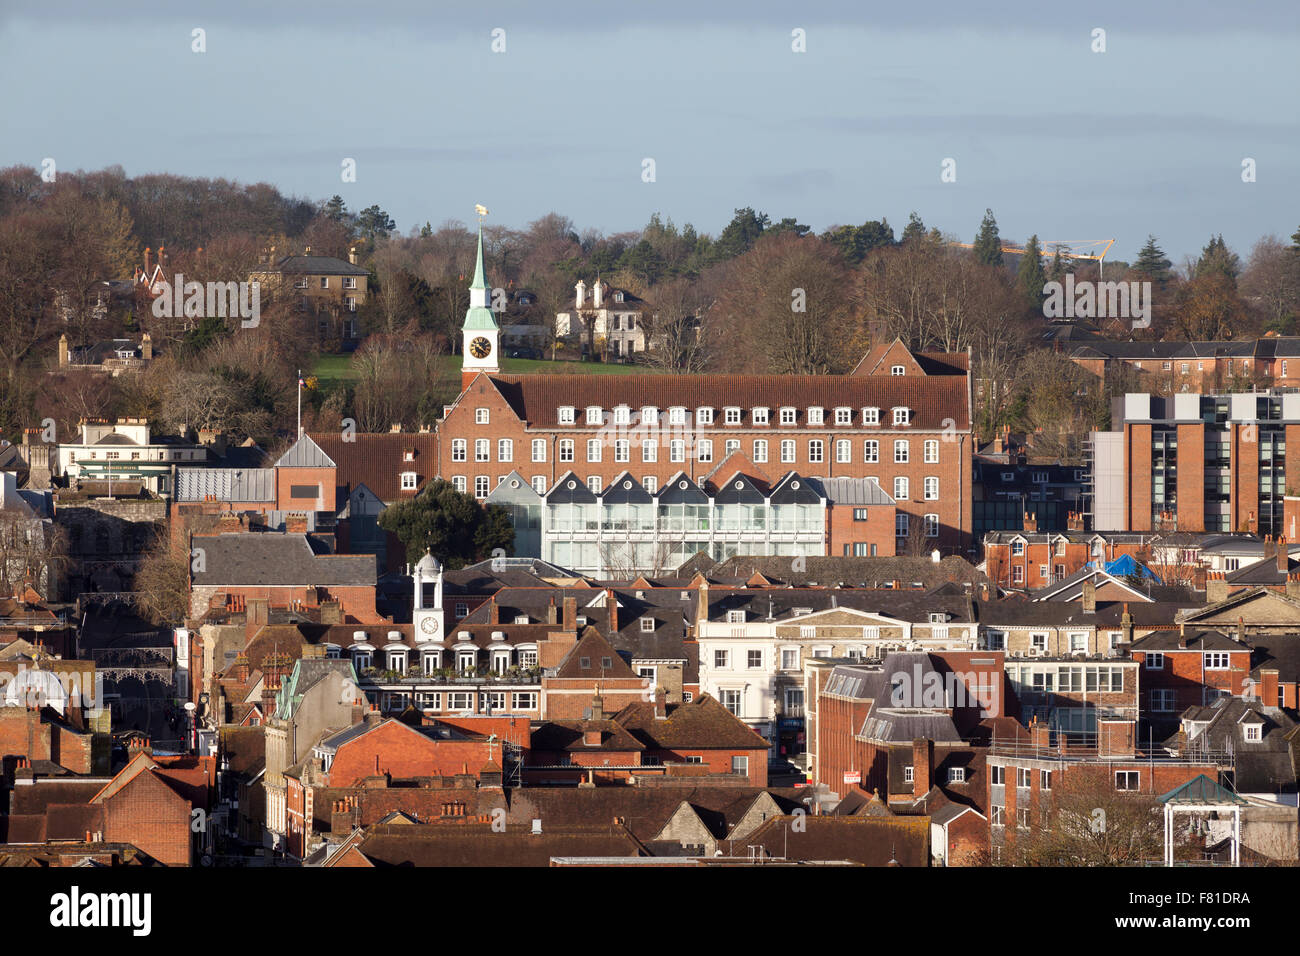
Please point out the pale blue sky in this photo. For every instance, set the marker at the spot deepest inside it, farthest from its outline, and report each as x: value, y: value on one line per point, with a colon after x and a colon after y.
x: 1146, y: 137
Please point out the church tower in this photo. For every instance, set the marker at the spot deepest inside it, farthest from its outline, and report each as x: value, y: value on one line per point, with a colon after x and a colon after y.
x: 481, y: 337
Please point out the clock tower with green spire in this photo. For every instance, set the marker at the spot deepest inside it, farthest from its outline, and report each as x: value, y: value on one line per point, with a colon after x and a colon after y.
x: 481, y: 337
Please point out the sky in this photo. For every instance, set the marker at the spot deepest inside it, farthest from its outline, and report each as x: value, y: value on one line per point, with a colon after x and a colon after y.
x: 1057, y: 139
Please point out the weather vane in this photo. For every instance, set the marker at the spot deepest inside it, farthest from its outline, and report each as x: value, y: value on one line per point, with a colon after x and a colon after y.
x: 482, y: 211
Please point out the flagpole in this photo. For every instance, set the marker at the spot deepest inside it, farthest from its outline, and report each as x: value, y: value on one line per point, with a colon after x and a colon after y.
x: 299, y: 403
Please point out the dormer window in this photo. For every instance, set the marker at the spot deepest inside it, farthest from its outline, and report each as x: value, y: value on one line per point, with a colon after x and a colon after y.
x: 677, y: 415
x: 566, y: 414
x: 871, y: 416
x: 815, y: 415
x: 787, y: 416
x: 704, y: 416
x: 618, y: 296
x: 647, y: 625
x: 759, y: 416
x: 408, y: 481
x: 731, y: 416
x: 1253, y: 732
x: 897, y: 370
x: 843, y: 416
x: 735, y: 617
x: 408, y: 455
x: 902, y: 416
x: 1017, y: 547
x: 649, y: 415
x: 595, y: 415
x: 622, y: 415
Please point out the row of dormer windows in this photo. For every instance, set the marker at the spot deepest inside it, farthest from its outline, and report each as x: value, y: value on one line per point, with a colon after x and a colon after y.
x: 731, y: 415
x: 679, y: 450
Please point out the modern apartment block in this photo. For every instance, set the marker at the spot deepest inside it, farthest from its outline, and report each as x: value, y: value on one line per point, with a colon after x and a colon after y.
x: 1192, y: 462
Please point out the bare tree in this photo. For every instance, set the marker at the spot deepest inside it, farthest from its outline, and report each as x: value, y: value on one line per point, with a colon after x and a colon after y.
x: 676, y: 327
x: 162, y: 583
x: 785, y: 308
x: 32, y: 550
x: 1084, y: 821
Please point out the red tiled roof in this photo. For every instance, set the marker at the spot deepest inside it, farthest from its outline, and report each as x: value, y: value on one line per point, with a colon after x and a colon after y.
x: 377, y: 461
x: 537, y: 398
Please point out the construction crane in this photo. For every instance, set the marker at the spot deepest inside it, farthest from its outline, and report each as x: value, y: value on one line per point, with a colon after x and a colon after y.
x: 1069, y: 249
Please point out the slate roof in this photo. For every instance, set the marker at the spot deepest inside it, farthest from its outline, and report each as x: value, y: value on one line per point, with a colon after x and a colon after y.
x: 780, y: 604
x: 479, y: 845
x: 1264, y: 573
x: 249, y: 560
x: 1192, y: 640
x: 863, y: 839
x: 1164, y: 350
x: 851, y: 572
x: 318, y: 265
x: 1263, y: 766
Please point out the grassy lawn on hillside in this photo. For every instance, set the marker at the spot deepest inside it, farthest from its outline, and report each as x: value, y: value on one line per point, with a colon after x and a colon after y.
x: 334, y: 369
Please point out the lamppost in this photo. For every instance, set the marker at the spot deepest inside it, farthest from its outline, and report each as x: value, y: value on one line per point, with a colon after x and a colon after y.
x: 189, y: 716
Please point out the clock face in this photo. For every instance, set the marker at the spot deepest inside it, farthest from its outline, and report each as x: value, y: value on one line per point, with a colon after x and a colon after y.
x: 429, y: 625
x: 480, y: 347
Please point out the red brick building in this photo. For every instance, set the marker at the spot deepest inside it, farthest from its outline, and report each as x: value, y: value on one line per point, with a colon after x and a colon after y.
x: 1182, y: 667
x: 1033, y: 559
x: 901, y: 417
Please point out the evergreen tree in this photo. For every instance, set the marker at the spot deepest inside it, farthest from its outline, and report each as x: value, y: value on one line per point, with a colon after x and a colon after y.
x: 1217, y: 257
x: 1295, y: 241
x: 914, y: 231
x: 856, y: 241
x: 426, y: 231
x: 373, y: 222
x: 988, y: 244
x: 1151, y: 262
x: 336, y: 208
x: 1058, y: 270
x: 1030, y: 277
x: 450, y: 524
x: 740, y: 234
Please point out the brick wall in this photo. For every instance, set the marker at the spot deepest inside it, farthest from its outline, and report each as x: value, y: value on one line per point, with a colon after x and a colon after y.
x: 150, y: 815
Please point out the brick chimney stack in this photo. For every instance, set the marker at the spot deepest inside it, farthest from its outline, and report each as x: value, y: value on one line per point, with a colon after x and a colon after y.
x: 1283, y: 559
x: 1030, y: 522
x: 611, y: 602
x: 922, y: 765
x: 1089, y: 597
x: 570, y: 622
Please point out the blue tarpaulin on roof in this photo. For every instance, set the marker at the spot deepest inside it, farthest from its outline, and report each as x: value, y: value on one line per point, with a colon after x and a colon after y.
x: 1124, y: 566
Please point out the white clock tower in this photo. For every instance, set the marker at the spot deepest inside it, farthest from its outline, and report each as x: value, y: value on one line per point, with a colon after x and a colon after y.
x: 481, y: 337
x: 428, y: 620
